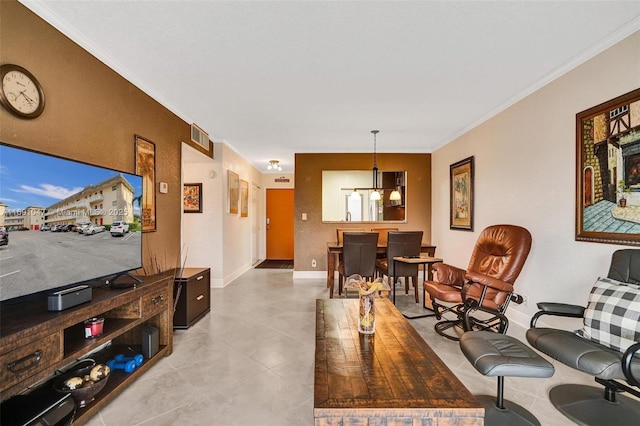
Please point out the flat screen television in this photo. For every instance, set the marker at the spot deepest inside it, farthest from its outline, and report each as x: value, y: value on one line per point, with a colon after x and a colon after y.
x: 68, y: 222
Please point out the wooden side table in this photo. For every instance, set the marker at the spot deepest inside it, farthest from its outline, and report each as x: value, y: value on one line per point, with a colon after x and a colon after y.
x: 426, y: 262
x: 192, y: 293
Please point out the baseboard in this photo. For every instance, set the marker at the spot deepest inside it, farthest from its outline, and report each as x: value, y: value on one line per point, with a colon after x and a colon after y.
x: 237, y: 273
x: 304, y: 275
x: 518, y: 317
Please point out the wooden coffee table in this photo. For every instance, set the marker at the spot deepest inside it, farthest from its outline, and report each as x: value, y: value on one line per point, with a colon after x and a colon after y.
x: 390, y: 377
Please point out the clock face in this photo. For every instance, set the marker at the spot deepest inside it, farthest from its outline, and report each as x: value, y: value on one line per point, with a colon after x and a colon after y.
x: 21, y: 92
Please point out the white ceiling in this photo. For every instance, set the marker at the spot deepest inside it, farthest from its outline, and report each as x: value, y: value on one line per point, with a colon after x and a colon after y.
x: 276, y: 78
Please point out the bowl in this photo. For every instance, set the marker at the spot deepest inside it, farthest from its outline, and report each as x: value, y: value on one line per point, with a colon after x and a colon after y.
x: 85, y: 393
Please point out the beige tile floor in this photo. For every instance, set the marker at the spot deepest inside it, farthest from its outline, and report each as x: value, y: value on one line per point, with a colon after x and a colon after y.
x: 250, y: 362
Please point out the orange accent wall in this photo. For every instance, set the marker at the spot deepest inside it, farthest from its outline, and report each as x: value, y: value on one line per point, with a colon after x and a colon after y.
x: 280, y: 227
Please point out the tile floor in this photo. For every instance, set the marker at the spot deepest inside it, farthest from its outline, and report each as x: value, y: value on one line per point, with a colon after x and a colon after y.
x: 250, y: 362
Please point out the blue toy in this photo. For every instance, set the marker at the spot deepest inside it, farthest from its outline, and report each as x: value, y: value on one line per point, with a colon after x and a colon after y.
x: 138, y: 359
x: 128, y: 366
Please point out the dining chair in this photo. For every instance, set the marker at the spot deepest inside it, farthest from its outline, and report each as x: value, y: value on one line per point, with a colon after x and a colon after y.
x: 384, y: 232
x: 340, y: 232
x: 404, y: 243
x: 358, y: 256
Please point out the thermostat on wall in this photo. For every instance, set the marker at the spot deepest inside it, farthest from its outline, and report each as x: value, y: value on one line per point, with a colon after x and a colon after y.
x: 164, y: 187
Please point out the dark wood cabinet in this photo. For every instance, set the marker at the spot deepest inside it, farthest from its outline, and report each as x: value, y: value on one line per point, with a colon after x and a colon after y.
x: 35, y: 343
x: 193, y: 296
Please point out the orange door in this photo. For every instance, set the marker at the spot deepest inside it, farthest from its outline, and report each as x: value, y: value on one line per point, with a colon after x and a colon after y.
x: 280, y: 224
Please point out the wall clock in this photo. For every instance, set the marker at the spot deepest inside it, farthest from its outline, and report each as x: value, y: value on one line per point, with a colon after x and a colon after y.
x: 21, y: 94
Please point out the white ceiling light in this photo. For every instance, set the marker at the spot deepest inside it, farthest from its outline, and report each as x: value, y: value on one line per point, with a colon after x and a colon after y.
x: 274, y: 165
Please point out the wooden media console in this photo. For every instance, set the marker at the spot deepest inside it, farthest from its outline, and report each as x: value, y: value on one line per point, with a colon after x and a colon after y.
x: 36, y: 343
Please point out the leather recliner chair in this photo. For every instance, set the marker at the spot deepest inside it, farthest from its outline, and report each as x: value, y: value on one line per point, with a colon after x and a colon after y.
x: 486, y: 285
x: 618, y: 371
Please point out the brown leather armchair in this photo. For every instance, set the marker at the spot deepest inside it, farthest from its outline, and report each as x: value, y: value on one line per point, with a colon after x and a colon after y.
x: 486, y: 285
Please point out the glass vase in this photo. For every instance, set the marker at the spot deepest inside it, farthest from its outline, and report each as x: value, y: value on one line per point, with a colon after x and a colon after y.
x: 367, y: 315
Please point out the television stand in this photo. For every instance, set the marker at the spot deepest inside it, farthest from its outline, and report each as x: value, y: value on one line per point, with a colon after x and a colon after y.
x: 35, y: 343
x: 118, y: 286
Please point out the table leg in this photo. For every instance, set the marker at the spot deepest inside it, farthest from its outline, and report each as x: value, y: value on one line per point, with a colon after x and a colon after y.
x: 392, y: 283
x: 331, y: 266
x: 426, y: 270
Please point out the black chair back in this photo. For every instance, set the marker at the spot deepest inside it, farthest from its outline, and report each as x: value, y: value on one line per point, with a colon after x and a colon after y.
x: 625, y: 266
x: 359, y: 253
x: 403, y: 243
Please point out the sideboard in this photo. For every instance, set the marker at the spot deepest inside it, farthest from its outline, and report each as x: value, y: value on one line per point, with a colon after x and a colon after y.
x: 36, y: 343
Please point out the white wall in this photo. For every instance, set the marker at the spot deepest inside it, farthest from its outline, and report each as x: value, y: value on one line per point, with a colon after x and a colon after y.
x: 215, y: 238
x: 525, y: 175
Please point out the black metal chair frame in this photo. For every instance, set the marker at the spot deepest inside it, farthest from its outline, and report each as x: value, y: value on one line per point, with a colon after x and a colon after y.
x: 589, y: 404
x: 464, y: 314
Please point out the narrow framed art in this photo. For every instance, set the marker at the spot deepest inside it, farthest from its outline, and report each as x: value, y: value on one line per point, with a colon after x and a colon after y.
x: 146, y: 167
x: 192, y: 198
x: 244, y: 198
x: 461, y: 195
x: 233, y: 192
x: 608, y: 171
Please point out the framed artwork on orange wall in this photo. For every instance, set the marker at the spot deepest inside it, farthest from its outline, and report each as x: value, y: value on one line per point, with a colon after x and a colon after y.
x: 146, y: 167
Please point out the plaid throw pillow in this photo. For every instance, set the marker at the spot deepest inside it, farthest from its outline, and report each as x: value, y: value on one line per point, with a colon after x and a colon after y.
x: 612, y: 317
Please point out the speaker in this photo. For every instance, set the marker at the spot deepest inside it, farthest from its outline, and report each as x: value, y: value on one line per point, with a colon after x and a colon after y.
x: 69, y: 297
x: 150, y: 341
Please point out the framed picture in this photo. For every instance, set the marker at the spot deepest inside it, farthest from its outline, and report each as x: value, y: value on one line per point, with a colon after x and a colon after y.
x: 608, y: 171
x: 146, y: 167
x: 233, y: 191
x: 244, y: 198
x: 461, y: 195
x: 192, y: 198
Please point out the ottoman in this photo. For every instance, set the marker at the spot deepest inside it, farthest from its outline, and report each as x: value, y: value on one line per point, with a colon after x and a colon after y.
x: 494, y: 354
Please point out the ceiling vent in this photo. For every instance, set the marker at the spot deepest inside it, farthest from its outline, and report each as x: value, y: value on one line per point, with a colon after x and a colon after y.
x: 199, y: 136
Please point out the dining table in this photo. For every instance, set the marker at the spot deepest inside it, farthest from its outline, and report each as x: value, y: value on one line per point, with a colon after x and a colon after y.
x: 334, y: 251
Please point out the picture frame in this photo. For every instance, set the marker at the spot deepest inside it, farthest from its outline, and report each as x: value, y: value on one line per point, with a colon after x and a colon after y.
x: 233, y: 192
x: 244, y: 198
x: 461, y: 194
x: 192, y: 198
x: 145, y: 154
x: 608, y: 171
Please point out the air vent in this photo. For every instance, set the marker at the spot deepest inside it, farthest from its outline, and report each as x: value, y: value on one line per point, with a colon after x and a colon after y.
x: 199, y: 136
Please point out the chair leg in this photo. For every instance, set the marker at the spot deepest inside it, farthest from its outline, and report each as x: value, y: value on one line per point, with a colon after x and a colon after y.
x: 406, y: 285
x: 587, y: 405
x: 414, y: 281
x: 501, y: 412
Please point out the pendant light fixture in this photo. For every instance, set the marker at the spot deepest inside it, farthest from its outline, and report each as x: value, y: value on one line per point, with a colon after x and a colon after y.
x: 395, y: 195
x: 375, y: 195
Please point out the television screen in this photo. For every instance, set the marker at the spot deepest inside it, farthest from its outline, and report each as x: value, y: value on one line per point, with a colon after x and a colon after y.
x: 65, y: 222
